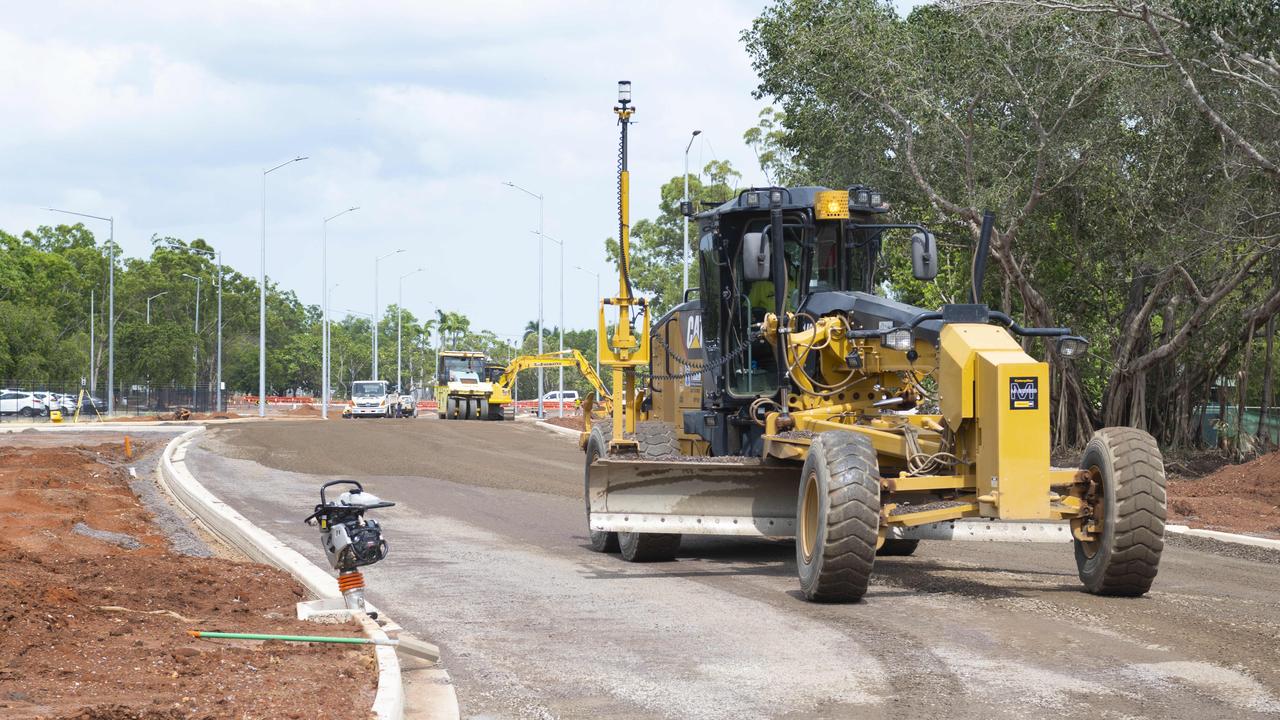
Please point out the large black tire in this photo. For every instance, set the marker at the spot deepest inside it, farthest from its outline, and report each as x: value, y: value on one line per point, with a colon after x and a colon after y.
x: 484, y: 410
x: 898, y: 547
x: 451, y: 411
x: 1124, y: 560
x: 597, y: 446
x: 648, y: 547
x: 837, y: 517
x: 468, y: 409
x: 654, y: 439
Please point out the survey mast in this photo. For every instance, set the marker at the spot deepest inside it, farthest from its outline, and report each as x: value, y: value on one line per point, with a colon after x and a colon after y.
x: 622, y: 352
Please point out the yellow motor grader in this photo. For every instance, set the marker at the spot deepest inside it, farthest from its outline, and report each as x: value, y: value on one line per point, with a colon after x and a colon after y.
x: 789, y: 400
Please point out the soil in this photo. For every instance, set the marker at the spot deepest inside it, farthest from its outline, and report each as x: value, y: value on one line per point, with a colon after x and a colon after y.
x: 574, y: 422
x: 1235, y: 498
x: 92, y: 630
x: 173, y: 416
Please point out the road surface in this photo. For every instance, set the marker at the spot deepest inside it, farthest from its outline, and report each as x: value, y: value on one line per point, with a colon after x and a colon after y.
x: 489, y: 558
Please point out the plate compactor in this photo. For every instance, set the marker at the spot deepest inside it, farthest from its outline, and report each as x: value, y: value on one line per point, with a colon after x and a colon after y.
x: 350, y: 540
x: 788, y: 399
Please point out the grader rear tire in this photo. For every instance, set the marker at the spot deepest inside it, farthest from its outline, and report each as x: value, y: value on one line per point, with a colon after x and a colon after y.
x: 837, y: 517
x: 1123, y: 560
x: 900, y: 548
x: 597, y: 446
x: 654, y: 439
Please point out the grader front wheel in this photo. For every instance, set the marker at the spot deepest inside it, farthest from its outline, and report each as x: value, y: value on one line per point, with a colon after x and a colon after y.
x: 837, y: 517
x: 1119, y: 540
x: 597, y: 447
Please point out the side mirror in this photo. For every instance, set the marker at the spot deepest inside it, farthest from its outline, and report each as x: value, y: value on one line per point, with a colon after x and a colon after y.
x: 924, y: 256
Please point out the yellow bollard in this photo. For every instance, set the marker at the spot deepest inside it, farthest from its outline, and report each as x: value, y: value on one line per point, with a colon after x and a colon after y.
x: 128, y: 447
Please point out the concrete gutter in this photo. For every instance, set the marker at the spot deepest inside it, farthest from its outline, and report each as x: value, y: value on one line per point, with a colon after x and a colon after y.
x: 557, y: 429
x: 1225, y: 537
x: 221, y: 520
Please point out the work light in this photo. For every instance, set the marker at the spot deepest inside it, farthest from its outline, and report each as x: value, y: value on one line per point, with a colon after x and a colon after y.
x: 1072, y: 346
x: 624, y: 91
x: 897, y: 339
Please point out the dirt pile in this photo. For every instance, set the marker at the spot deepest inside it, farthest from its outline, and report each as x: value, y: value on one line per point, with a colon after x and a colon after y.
x: 573, y: 422
x: 1235, y: 498
x: 90, y: 629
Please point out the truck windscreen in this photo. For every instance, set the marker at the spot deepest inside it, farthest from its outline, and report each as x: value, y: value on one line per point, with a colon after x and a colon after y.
x: 369, y: 388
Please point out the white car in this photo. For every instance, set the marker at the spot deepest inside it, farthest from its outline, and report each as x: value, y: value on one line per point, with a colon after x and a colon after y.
x: 570, y: 397
x: 408, y: 406
x: 20, y: 402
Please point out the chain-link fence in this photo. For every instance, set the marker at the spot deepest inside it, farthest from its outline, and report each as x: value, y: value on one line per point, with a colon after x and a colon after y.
x: 28, y: 401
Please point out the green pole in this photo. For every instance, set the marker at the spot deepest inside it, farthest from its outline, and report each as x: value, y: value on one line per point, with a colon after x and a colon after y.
x: 290, y: 638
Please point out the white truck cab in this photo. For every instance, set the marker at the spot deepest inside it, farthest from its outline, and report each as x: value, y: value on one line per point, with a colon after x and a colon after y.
x: 372, y: 398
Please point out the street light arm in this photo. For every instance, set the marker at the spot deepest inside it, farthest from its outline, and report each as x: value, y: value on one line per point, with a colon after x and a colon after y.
x: 80, y: 214
x: 526, y: 191
x: 344, y: 212
x: 286, y: 162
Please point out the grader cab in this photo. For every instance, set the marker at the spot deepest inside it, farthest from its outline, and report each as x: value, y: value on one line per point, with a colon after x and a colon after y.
x: 789, y: 400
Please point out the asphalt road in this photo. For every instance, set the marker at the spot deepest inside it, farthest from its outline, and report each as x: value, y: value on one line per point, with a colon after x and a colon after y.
x: 489, y: 559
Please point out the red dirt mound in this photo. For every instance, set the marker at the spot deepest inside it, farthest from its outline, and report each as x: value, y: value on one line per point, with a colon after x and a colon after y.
x: 1236, y: 498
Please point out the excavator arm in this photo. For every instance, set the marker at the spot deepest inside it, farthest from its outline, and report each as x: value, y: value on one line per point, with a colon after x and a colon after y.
x: 566, y: 358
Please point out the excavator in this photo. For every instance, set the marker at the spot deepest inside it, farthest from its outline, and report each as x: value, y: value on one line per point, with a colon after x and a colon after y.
x: 504, y: 380
x: 789, y: 397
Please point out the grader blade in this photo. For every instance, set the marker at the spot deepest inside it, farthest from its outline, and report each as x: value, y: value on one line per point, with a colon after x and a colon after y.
x: 724, y: 496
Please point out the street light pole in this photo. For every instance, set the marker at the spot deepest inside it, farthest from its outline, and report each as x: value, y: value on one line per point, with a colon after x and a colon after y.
x: 561, y: 368
x: 262, y: 295
x: 399, y: 317
x: 218, y: 257
x: 111, y: 303
x: 376, y: 309
x: 153, y: 297
x: 349, y: 311
x: 541, y: 217
x: 324, y: 321
x: 195, y: 349
x: 597, y: 275
x: 684, y: 220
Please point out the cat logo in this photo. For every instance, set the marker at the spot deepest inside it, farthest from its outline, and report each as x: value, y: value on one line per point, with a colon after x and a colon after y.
x: 1024, y: 393
x: 693, y: 333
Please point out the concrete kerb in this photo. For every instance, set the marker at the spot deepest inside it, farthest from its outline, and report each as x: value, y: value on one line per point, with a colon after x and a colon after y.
x: 233, y: 528
x: 1225, y: 537
x: 557, y: 429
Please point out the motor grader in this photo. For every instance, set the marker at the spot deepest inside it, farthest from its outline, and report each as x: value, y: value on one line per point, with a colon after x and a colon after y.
x: 788, y: 399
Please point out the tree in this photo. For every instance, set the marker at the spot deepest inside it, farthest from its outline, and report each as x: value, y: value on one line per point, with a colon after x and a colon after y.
x: 1116, y: 213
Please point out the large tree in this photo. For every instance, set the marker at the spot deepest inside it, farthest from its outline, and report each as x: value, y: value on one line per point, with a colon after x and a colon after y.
x: 1120, y: 210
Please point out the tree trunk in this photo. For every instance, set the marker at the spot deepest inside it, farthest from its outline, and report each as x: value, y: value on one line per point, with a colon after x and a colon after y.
x: 1242, y: 444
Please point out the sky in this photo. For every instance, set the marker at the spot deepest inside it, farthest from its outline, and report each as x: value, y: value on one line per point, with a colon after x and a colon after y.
x: 165, y: 115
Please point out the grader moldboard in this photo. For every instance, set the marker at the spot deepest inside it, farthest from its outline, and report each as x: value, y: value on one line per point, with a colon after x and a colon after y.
x: 788, y: 400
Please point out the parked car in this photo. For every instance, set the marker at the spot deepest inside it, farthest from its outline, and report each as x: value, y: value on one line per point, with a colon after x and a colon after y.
x: 21, y: 402
x: 570, y: 397
x: 408, y: 406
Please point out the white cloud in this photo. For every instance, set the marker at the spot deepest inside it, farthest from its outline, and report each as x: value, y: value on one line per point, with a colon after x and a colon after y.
x: 164, y: 115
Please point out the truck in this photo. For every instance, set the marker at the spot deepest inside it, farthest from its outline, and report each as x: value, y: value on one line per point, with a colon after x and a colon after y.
x: 372, y: 398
